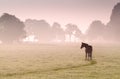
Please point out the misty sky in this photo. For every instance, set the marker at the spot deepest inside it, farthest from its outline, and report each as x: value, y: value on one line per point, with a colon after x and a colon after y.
x: 80, y: 12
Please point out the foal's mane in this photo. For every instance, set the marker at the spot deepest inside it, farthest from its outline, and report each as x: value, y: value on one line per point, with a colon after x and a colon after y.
x: 85, y: 44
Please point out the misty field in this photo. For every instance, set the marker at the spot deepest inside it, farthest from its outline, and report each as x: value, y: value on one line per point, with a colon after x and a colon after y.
x: 58, y: 62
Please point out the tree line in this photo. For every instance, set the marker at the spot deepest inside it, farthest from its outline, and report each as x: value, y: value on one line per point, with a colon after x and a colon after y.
x: 12, y: 29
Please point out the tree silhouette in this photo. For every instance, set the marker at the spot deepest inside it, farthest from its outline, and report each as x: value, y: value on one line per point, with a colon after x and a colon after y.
x: 11, y: 28
x: 40, y: 28
x: 78, y: 34
x: 58, y: 32
x: 113, y: 26
x: 95, y: 30
x: 72, y: 29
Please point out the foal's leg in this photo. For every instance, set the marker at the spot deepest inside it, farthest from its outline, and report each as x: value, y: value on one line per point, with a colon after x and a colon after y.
x: 91, y: 56
x: 85, y: 55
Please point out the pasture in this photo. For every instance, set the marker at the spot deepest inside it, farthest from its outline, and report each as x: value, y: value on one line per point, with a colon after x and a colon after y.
x: 58, y: 62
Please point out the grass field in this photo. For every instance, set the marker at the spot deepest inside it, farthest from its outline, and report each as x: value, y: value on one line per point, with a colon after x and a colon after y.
x: 58, y: 62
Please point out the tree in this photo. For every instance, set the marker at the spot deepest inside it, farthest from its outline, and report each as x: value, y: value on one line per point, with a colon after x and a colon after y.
x: 78, y: 34
x: 95, y: 30
x: 58, y: 32
x: 40, y: 28
x: 11, y: 28
x: 113, y: 26
x: 72, y: 29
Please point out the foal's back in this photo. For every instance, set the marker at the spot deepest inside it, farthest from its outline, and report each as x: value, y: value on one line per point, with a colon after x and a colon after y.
x: 89, y: 49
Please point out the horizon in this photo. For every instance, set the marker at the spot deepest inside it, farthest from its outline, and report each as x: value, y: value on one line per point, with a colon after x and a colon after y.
x: 79, y: 12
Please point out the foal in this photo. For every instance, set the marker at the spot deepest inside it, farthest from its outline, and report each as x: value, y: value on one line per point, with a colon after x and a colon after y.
x: 88, y: 51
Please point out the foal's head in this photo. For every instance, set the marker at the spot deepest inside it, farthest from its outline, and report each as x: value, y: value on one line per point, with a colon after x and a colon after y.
x: 83, y: 45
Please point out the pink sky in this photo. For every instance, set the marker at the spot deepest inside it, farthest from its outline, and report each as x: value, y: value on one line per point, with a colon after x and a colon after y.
x: 79, y: 12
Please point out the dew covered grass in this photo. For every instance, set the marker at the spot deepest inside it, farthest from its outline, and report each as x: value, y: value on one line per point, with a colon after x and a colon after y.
x: 51, y: 61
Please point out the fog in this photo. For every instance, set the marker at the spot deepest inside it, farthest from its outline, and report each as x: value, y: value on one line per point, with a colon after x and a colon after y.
x: 34, y: 31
